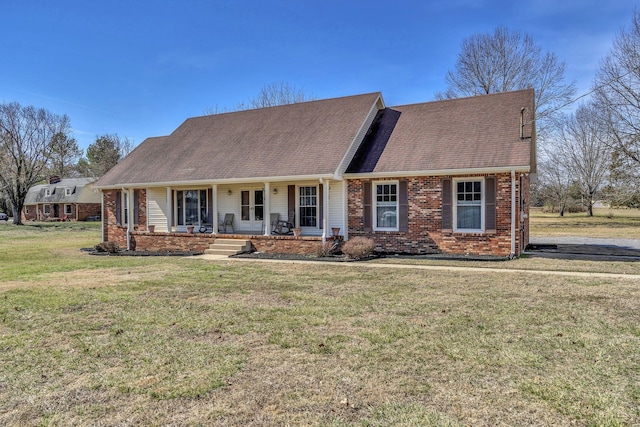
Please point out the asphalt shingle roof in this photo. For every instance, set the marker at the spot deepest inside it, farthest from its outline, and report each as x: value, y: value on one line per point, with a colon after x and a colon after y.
x: 465, y: 133
x: 308, y: 138
x: 312, y: 138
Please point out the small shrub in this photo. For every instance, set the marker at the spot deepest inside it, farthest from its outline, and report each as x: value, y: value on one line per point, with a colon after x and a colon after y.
x: 328, y: 249
x: 110, y: 247
x: 358, y: 247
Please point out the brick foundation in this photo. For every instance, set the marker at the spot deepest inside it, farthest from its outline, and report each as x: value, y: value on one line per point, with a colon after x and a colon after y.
x: 185, y: 242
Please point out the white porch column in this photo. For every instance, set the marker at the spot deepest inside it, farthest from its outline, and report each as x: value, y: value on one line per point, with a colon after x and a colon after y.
x: 325, y: 209
x: 214, y: 202
x: 169, y: 210
x: 345, y: 209
x: 266, y: 215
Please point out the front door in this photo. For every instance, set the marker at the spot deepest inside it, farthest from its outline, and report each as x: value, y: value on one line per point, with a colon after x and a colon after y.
x: 251, y: 210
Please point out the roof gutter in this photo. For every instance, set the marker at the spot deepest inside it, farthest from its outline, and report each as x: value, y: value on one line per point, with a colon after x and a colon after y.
x: 439, y: 172
x: 215, y: 181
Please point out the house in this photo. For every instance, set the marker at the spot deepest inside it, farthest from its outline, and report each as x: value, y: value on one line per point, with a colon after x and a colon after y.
x: 69, y: 199
x: 438, y: 177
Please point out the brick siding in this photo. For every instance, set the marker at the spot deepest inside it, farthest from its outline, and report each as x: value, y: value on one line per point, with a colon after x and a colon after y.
x: 425, y: 234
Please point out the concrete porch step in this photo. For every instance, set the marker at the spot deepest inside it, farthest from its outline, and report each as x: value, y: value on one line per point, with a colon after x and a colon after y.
x: 228, y: 247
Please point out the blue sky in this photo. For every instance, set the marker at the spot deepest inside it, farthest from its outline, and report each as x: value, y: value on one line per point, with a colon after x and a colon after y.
x: 140, y: 68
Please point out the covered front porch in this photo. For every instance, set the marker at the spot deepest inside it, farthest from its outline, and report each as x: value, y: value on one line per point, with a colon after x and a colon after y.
x: 267, y: 213
x: 249, y: 208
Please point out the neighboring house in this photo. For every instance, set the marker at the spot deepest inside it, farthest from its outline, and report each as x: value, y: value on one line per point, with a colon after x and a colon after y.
x: 448, y: 176
x: 63, y: 199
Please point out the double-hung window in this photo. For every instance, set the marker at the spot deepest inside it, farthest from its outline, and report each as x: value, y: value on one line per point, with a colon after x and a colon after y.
x: 469, y: 205
x: 308, y: 206
x: 386, y: 205
x: 191, y: 206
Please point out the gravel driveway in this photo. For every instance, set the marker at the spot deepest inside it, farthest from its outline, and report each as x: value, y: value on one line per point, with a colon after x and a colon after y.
x: 590, y: 248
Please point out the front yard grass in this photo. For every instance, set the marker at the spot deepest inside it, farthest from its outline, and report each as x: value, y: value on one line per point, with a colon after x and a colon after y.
x: 88, y: 340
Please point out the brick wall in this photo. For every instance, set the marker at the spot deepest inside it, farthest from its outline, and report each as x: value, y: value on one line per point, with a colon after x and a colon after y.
x: 85, y: 210
x: 185, y: 242
x: 425, y: 234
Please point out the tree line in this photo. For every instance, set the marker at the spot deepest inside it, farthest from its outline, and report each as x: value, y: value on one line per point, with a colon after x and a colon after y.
x: 35, y: 143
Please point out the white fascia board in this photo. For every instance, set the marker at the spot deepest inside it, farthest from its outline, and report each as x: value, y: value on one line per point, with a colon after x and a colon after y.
x: 439, y: 172
x: 353, y: 146
x: 206, y: 182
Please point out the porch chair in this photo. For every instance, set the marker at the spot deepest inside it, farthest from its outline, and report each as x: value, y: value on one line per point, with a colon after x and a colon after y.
x: 289, y: 224
x: 226, y: 222
x: 274, y: 218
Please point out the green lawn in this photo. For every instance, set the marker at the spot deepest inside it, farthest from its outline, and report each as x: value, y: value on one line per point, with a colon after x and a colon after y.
x: 88, y: 340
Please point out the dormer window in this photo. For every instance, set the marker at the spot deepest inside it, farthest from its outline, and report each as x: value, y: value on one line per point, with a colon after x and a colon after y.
x: 47, y: 192
x: 67, y: 191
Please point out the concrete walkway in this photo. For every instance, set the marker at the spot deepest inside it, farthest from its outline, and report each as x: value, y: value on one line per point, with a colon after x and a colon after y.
x: 426, y: 267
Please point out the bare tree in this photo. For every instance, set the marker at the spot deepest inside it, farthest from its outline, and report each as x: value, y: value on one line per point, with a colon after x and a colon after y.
x: 509, y: 60
x: 554, y: 182
x: 617, y: 92
x: 65, y: 153
x: 584, y: 152
x: 270, y: 95
x: 103, y: 154
x: 26, y: 141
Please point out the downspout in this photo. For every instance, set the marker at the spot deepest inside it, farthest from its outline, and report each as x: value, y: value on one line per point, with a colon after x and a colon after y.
x: 513, y: 214
x: 102, y: 215
x: 124, y: 190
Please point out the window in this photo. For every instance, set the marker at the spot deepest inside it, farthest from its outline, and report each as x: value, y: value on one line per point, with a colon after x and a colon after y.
x: 308, y: 206
x: 47, y: 209
x: 125, y: 208
x: 191, y: 206
x: 67, y: 209
x: 469, y: 205
x: 47, y: 192
x: 67, y: 191
x: 386, y: 206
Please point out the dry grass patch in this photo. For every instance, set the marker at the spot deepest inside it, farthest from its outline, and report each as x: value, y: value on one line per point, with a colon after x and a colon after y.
x: 606, y: 223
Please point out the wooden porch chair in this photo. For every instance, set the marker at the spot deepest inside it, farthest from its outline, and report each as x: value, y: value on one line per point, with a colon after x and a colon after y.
x: 289, y: 224
x: 226, y: 222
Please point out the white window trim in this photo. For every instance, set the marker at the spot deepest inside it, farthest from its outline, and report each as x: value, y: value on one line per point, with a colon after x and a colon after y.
x: 65, y: 209
x: 46, y: 208
x: 374, y: 205
x: 67, y: 191
x: 47, y: 192
x: 455, y: 204
x: 297, y: 213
